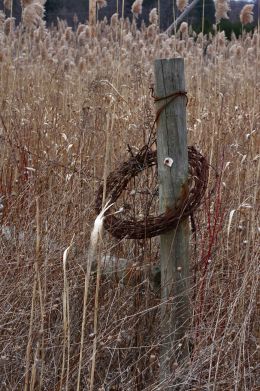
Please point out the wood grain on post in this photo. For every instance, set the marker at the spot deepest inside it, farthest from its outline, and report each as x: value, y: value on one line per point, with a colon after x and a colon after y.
x: 174, y: 245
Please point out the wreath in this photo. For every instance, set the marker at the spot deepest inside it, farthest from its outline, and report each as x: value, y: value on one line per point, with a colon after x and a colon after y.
x: 150, y: 226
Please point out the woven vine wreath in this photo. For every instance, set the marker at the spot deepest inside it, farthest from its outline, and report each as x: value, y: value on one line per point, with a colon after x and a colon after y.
x: 149, y: 227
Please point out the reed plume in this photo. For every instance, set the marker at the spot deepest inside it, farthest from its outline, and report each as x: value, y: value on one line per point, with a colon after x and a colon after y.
x: 181, y: 4
x: 222, y: 8
x: 114, y: 20
x: 101, y: 4
x: 82, y: 38
x: 68, y: 34
x: 9, y: 25
x: 2, y: 18
x: 81, y: 28
x: 153, y: 16
x: 184, y: 28
x: 137, y: 8
x: 8, y: 4
x: 33, y: 14
x: 246, y: 14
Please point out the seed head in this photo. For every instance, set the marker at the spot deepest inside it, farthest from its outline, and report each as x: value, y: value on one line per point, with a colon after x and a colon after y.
x: 151, y: 31
x: 239, y: 51
x: 221, y: 39
x: 81, y: 28
x: 246, y: 14
x: 33, y: 15
x: 9, y: 25
x: 101, y: 3
x: 114, y: 20
x: 68, y: 34
x: 250, y: 53
x: 82, y: 38
x: 87, y: 32
x: 181, y: 4
x: 255, y: 39
x: 222, y: 8
x: 153, y: 16
x: 137, y: 8
x: 184, y: 28
x: 8, y: 4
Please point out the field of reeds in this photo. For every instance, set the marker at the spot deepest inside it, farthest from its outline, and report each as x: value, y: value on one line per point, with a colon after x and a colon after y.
x: 71, y: 101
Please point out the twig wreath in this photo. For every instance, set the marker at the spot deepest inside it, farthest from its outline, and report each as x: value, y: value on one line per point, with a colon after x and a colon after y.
x: 149, y: 227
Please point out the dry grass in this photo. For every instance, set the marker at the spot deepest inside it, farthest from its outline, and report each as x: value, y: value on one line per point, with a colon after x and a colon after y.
x: 70, y: 103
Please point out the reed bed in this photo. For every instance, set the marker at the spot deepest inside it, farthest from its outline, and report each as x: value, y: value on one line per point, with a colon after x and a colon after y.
x: 70, y: 103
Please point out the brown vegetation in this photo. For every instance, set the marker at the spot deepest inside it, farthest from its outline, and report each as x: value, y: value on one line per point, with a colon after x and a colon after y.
x: 70, y: 102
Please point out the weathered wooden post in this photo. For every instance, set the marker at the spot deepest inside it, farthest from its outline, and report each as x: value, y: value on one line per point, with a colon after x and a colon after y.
x: 173, y: 181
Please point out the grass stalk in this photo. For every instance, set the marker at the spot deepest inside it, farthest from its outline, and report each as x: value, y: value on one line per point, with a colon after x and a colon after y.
x: 66, y: 320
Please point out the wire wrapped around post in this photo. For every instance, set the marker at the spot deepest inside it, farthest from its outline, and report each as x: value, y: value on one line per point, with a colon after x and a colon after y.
x: 149, y: 227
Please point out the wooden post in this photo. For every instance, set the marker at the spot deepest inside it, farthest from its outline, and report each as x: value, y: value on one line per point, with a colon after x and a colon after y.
x: 174, y: 245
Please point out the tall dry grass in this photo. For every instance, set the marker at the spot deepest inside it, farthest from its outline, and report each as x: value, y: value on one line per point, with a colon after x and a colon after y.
x: 70, y: 104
